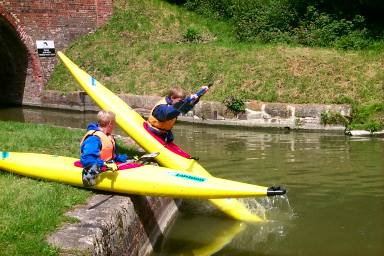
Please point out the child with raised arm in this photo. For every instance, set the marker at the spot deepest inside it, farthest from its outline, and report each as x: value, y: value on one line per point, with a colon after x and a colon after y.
x: 164, y: 114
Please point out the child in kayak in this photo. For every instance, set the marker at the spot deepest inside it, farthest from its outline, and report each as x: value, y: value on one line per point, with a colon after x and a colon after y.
x: 164, y: 114
x: 98, y: 148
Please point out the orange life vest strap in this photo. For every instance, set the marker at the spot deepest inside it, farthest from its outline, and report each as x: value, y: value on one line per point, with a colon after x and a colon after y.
x: 162, y: 126
x: 107, y: 151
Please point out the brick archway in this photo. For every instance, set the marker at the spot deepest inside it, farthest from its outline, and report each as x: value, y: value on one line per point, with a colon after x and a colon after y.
x: 30, y: 70
x: 60, y: 21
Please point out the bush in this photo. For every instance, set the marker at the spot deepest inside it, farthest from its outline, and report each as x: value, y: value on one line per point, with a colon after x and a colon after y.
x: 368, y: 117
x: 374, y: 126
x: 219, y: 9
x: 235, y: 104
x: 287, y: 21
x: 354, y: 40
x: 324, y: 30
x: 330, y: 117
x: 264, y: 20
x: 192, y: 35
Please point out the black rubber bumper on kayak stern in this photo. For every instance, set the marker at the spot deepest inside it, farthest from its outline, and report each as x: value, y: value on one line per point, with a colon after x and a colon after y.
x: 276, y: 191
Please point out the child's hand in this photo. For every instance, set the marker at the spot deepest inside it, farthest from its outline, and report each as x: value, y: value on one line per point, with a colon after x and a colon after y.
x: 194, y: 97
x: 111, y: 166
x: 200, y: 93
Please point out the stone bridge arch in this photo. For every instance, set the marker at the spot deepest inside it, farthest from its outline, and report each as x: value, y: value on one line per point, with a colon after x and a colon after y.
x: 23, y: 73
x: 20, y: 68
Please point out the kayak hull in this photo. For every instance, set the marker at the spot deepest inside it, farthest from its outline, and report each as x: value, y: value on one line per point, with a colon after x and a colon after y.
x: 142, y: 180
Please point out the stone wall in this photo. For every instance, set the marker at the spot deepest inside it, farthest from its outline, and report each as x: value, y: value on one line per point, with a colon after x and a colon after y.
x: 116, y: 225
x: 263, y: 114
x: 257, y: 114
x: 61, y: 21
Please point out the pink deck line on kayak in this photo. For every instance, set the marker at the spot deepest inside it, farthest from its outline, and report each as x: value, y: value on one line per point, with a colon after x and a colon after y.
x: 169, y: 145
x: 121, y: 166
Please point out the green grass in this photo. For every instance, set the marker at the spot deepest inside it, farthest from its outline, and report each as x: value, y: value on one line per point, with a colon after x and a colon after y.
x: 368, y: 117
x: 142, y: 50
x: 32, y: 209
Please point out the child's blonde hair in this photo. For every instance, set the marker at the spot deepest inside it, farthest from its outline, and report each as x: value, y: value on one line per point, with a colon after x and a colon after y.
x: 176, y: 92
x: 105, y: 117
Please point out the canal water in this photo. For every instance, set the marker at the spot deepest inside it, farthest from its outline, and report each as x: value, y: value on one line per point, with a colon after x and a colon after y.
x: 335, y: 190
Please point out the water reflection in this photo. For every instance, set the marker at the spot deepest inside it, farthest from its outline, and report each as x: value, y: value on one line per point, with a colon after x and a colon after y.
x: 203, y: 241
x: 199, y: 235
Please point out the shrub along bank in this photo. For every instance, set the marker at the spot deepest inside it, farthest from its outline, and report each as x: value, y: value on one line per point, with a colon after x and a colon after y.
x: 150, y: 45
x: 321, y: 23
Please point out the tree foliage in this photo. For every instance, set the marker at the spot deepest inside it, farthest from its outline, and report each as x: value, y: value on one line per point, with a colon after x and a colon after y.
x: 345, y: 24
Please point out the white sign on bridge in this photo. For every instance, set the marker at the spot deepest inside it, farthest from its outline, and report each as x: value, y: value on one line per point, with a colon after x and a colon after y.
x: 45, y: 48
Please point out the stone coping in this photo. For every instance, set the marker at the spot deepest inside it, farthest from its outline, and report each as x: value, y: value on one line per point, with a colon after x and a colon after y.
x: 257, y: 114
x: 111, y: 224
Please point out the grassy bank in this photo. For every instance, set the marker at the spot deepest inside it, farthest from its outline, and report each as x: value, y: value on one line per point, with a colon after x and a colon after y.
x: 151, y: 45
x: 31, y: 209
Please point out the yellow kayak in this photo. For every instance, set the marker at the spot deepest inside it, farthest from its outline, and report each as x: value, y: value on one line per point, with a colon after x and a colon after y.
x: 134, y: 125
x: 136, y: 179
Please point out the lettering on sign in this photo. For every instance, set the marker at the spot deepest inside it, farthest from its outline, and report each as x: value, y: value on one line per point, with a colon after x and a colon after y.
x: 45, y: 48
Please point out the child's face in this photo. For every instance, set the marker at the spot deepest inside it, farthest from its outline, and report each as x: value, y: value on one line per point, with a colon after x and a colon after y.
x: 176, y: 99
x: 109, y: 127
